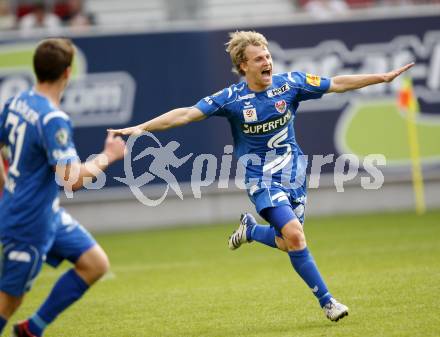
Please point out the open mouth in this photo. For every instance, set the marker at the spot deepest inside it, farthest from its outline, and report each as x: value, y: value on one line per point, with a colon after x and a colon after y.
x: 266, y: 72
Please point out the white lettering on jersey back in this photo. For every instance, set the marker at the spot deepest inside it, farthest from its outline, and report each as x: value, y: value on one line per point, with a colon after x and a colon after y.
x: 278, y: 91
x: 24, y: 110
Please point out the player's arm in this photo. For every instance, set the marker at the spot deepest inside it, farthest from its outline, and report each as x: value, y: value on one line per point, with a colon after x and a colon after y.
x: 2, y: 171
x: 351, y: 82
x: 170, y: 119
x: 72, y: 174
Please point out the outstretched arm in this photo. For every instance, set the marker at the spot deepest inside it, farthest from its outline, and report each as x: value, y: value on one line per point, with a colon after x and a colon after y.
x: 350, y: 82
x: 73, y: 175
x: 170, y: 119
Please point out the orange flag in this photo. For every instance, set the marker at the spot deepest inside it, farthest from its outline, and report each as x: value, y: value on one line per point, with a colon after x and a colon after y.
x: 407, y: 99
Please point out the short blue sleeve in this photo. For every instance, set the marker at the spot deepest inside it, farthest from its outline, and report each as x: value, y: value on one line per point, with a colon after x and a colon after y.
x: 58, y: 138
x: 3, y: 114
x: 309, y: 86
x: 214, y: 105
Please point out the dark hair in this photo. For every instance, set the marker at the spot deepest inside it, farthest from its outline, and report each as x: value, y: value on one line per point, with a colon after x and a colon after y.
x: 52, y: 57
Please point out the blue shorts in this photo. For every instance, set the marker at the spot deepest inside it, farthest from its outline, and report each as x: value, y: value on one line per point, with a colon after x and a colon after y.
x: 19, y: 266
x: 277, y: 195
x: 71, y: 240
x: 22, y: 262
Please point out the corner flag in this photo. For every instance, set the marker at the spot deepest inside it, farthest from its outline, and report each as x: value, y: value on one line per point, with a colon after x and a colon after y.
x: 407, y: 102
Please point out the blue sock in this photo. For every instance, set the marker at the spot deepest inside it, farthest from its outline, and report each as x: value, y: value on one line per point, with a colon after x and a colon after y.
x: 263, y: 234
x: 2, y: 324
x: 306, y: 267
x: 68, y: 289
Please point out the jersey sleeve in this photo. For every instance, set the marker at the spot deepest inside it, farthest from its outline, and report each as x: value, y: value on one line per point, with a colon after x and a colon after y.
x: 58, y: 138
x: 214, y: 105
x: 309, y: 86
x: 3, y: 114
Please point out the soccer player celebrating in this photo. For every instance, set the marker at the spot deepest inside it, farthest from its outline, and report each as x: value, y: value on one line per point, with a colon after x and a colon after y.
x: 33, y: 228
x: 261, y: 110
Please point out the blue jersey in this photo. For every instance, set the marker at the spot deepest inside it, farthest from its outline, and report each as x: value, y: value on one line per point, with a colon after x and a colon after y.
x: 38, y: 136
x: 262, y: 126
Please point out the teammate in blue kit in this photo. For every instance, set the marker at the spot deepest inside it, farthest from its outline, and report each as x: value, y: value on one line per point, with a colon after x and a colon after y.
x: 261, y: 111
x: 33, y: 228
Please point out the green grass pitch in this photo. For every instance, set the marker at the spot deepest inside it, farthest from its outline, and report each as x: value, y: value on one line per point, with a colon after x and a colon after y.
x: 379, y: 127
x: 185, y: 282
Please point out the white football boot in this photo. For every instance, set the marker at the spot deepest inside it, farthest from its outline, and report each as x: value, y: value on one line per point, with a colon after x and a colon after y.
x: 238, y: 236
x: 335, y: 310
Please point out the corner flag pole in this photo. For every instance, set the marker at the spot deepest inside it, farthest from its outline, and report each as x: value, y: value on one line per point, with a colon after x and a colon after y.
x: 408, y: 102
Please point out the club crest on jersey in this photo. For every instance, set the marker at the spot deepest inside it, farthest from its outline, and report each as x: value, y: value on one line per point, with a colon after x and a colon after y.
x: 278, y: 91
x: 281, y: 106
x: 250, y: 115
x: 313, y: 80
x: 62, y: 137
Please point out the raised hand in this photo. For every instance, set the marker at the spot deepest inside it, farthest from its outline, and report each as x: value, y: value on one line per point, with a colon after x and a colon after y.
x: 134, y: 130
x: 114, y: 147
x: 388, y: 77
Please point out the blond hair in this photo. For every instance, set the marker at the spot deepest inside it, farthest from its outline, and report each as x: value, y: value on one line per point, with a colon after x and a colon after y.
x: 237, y: 44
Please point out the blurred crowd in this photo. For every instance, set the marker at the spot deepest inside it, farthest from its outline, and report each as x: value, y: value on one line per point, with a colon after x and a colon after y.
x: 27, y: 15
x: 51, y: 15
x: 327, y: 8
x: 353, y: 4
